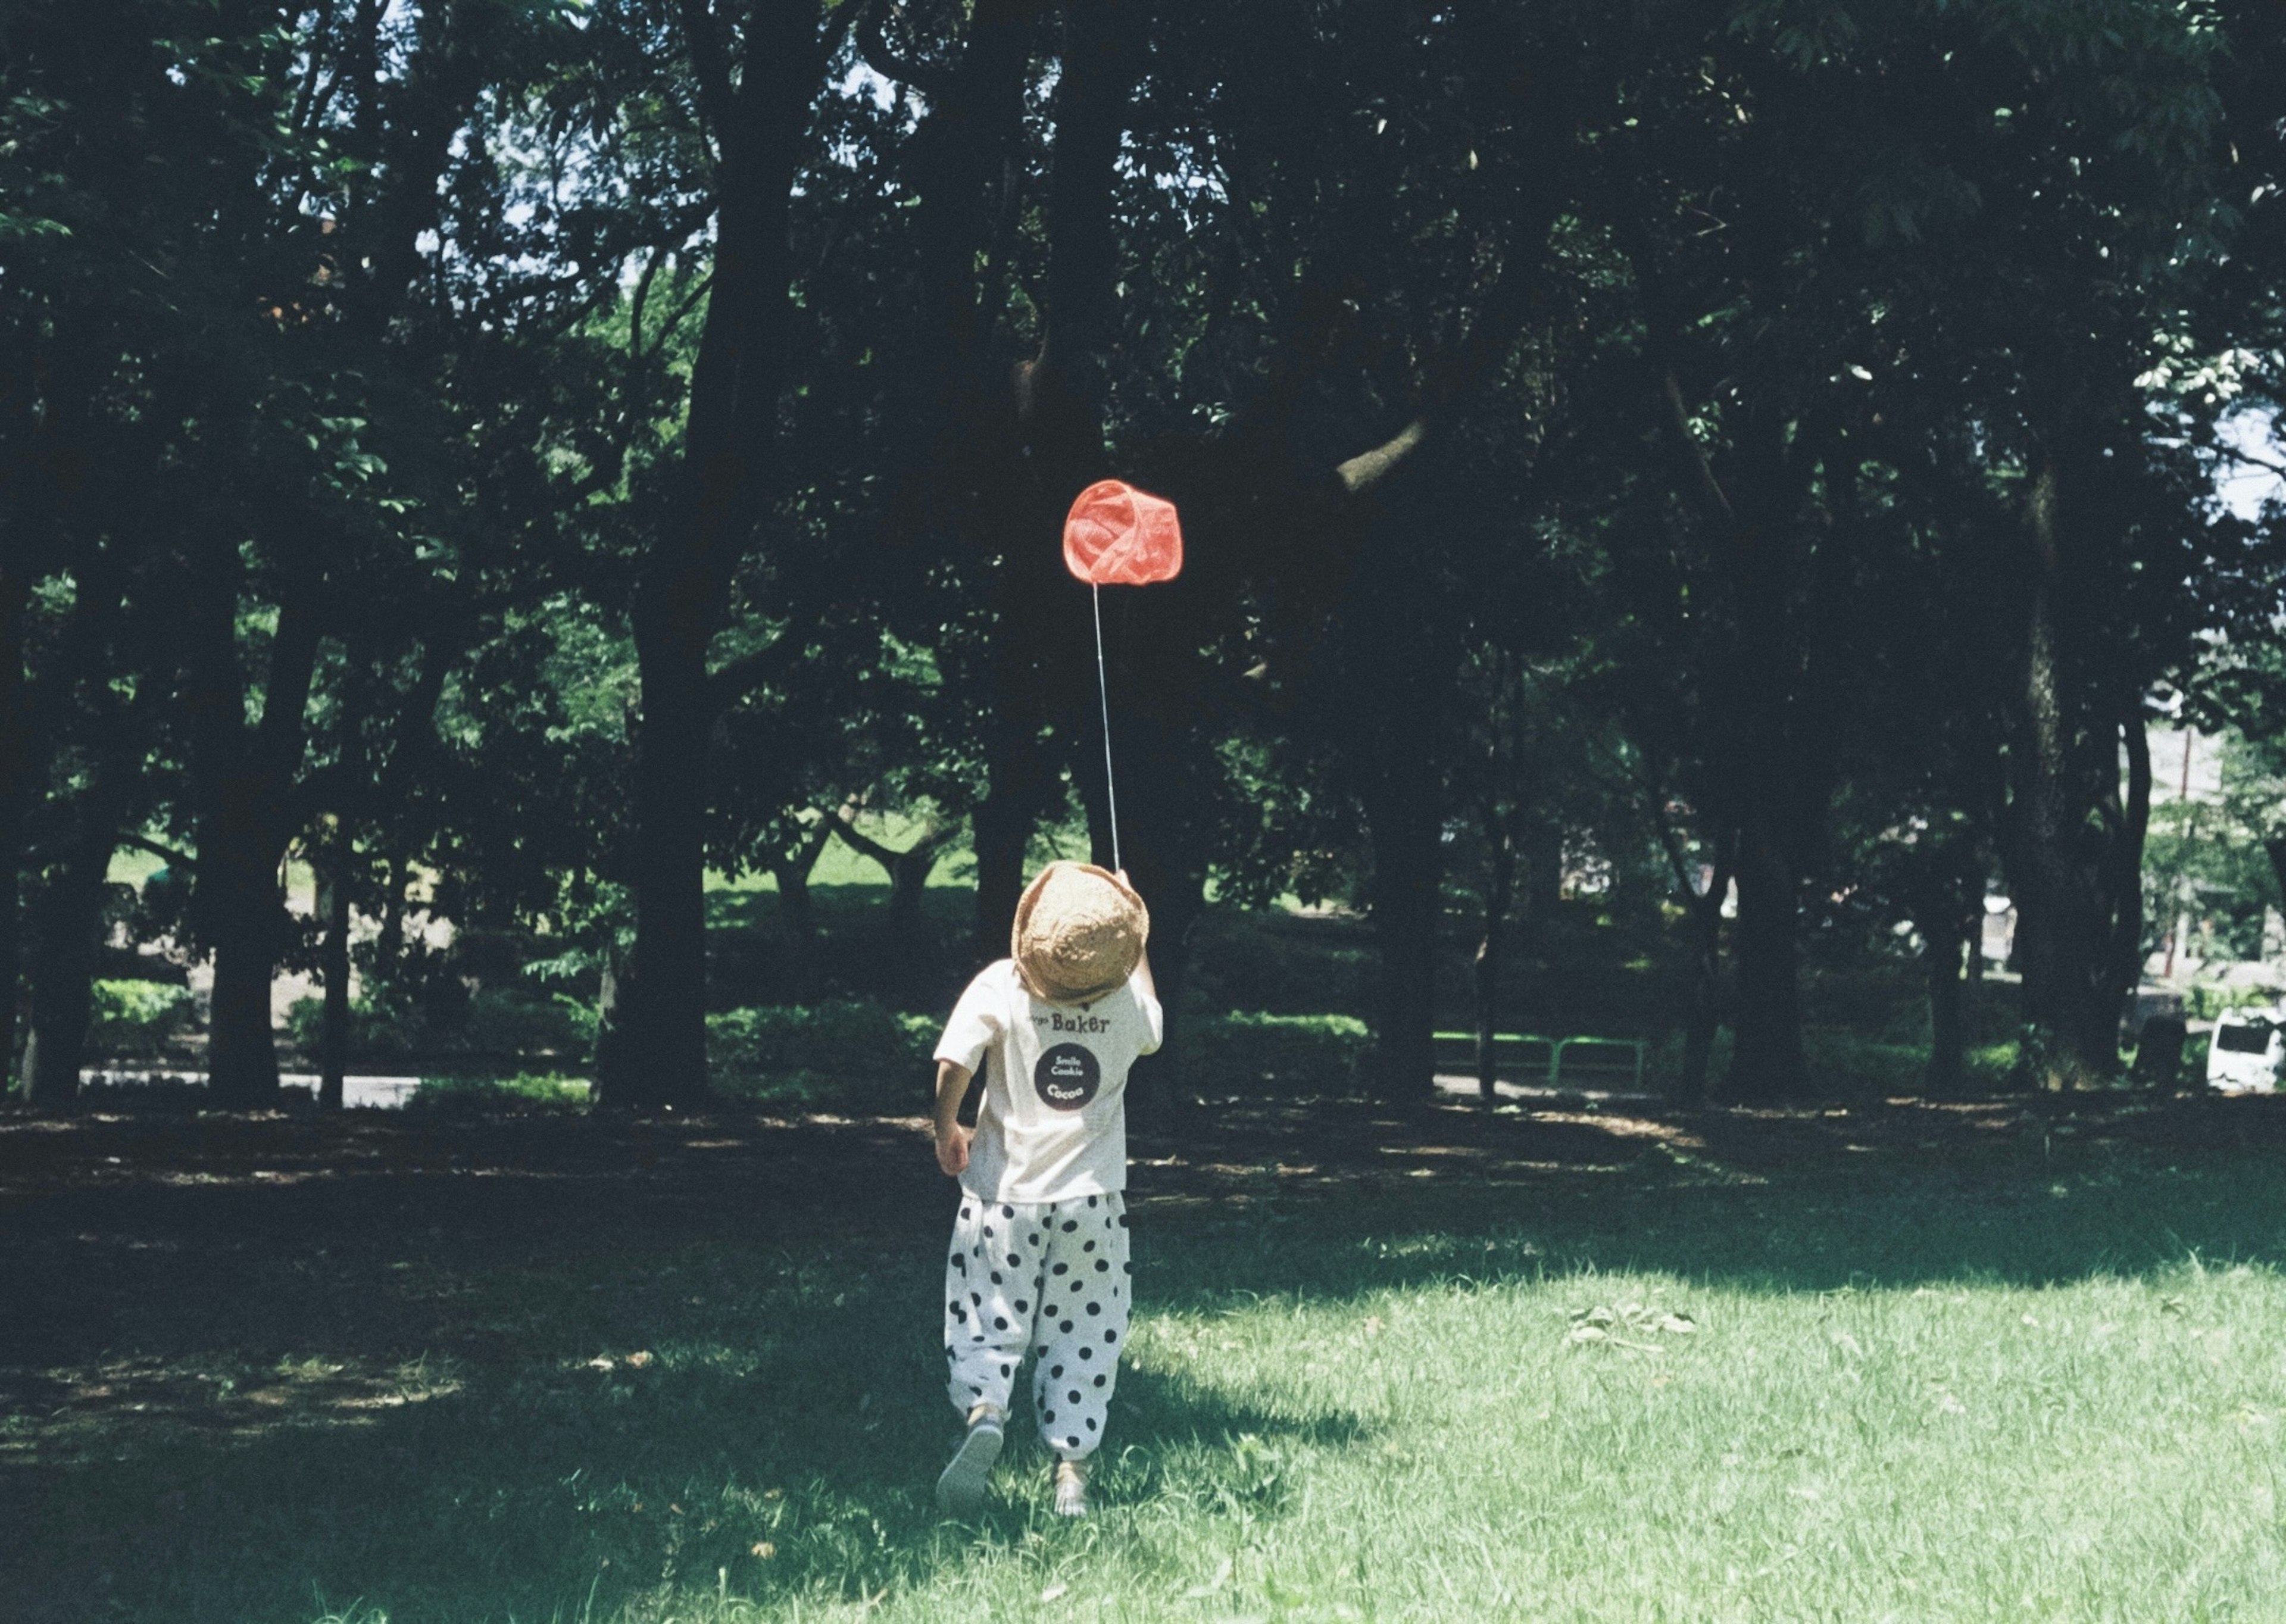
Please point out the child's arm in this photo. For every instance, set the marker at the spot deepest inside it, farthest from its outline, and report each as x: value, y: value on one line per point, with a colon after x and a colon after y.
x: 951, y: 1138
x: 1143, y: 963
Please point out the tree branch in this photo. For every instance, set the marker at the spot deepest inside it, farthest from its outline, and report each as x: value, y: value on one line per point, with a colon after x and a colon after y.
x: 1367, y: 469
x: 843, y: 15
x: 175, y: 859
x: 1472, y: 363
x: 2240, y: 455
x: 1710, y: 489
x: 925, y: 845
x: 844, y: 825
x: 710, y: 66
x: 873, y: 49
x: 750, y: 671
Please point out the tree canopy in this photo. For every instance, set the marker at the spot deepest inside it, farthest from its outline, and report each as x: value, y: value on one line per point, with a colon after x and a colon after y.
x: 520, y: 455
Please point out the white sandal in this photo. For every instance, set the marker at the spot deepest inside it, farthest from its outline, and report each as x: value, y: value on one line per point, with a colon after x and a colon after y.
x: 1071, y: 1489
x: 960, y: 1490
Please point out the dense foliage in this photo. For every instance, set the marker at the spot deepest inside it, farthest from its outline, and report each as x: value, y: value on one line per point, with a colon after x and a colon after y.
x: 515, y: 457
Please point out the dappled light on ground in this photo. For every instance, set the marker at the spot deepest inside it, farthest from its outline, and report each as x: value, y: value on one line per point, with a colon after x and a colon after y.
x: 1976, y: 1360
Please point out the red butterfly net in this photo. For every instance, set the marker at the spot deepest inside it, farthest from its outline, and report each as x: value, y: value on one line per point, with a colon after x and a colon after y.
x: 1118, y: 536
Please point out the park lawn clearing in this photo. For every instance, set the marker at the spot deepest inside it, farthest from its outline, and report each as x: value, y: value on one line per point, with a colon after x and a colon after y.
x: 1896, y: 1366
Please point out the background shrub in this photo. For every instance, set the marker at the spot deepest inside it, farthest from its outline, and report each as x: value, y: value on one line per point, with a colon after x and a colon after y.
x: 1262, y: 1055
x: 528, y: 1092
x: 136, y: 1020
x: 855, y: 1053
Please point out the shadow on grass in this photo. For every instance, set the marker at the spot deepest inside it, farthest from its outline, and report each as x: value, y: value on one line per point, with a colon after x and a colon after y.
x: 800, y: 1458
x: 2030, y: 1201
x: 268, y: 1370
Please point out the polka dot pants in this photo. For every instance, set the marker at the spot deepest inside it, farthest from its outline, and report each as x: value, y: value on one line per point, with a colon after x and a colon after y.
x: 1051, y: 1278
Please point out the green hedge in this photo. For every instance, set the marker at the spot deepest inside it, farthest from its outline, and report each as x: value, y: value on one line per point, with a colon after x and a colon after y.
x: 135, y: 1020
x: 856, y: 1054
x: 1253, y: 1055
x: 496, y: 1025
x: 860, y: 1056
x: 529, y: 1092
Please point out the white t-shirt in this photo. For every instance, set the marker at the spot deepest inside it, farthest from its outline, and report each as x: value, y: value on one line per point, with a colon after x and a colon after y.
x: 1053, y: 1124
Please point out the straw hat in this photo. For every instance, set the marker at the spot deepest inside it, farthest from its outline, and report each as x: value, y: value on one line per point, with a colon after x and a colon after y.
x: 1078, y: 933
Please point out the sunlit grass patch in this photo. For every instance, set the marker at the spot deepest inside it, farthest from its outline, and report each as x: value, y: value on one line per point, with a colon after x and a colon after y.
x: 2052, y: 1388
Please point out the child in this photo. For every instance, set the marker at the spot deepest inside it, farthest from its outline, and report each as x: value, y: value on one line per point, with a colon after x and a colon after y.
x: 1039, y: 1251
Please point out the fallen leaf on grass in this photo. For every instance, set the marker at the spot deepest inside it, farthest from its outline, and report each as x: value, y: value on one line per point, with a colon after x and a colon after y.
x: 1200, y: 1592
x: 1596, y: 1333
x: 1604, y: 1323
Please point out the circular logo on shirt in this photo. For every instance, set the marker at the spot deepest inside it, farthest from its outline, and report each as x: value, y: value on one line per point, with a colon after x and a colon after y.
x: 1066, y: 1076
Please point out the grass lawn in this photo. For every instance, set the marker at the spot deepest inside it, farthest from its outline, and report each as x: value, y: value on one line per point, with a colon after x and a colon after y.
x: 1943, y: 1363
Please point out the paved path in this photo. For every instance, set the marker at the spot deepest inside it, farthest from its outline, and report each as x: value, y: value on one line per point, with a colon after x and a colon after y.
x: 374, y: 1094
x: 387, y: 1094
x: 1456, y: 1082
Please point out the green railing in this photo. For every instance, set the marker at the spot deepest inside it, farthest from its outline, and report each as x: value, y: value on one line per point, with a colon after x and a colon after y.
x: 1506, y: 1044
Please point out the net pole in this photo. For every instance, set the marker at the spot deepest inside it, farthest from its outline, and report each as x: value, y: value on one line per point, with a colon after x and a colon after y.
x: 1103, y: 693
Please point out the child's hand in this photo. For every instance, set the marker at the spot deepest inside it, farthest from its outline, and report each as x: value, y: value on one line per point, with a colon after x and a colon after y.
x: 952, y: 1150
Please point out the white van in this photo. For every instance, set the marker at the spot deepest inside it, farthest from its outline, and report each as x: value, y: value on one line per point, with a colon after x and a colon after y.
x: 2244, y: 1055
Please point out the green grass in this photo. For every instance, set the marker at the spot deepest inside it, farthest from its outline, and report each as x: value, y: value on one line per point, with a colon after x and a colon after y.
x: 2040, y: 1382
x: 525, y: 1091
x: 839, y: 864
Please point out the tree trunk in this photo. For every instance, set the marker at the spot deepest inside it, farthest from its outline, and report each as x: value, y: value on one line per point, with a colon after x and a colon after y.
x: 662, y: 995
x: 729, y: 445
x: 1013, y: 799
x: 334, y: 968
x: 2069, y: 837
x: 241, y: 1046
x: 792, y: 872
x: 2124, y: 874
x: 69, y: 919
x: 908, y: 881
x: 1943, y: 941
x: 957, y: 428
x: 1159, y: 840
x: 389, y: 941
x: 610, y: 1033
x: 794, y: 905
x: 15, y: 793
x: 1041, y: 653
x: 1406, y: 847
x: 1705, y: 1015
x: 244, y: 784
x: 65, y: 914
x: 1972, y: 925
x: 1489, y: 944
x: 1766, y: 1058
